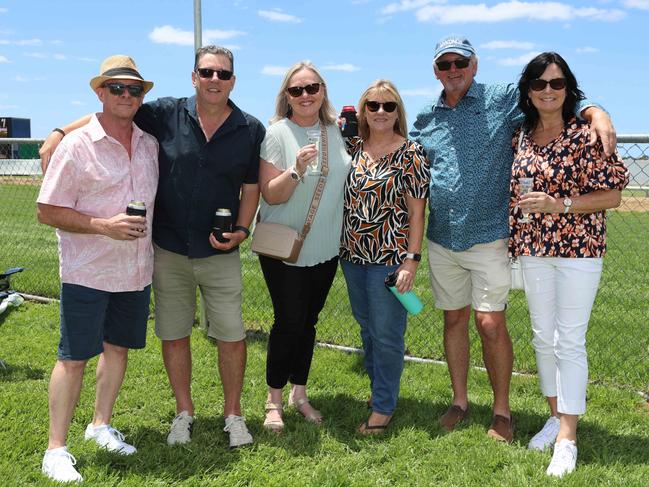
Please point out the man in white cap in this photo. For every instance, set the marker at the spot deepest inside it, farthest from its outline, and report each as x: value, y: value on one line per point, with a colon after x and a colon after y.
x: 106, y: 256
x: 467, y: 134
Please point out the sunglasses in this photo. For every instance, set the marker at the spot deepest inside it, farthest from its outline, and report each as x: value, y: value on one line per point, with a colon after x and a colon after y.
x: 388, y: 106
x: 118, y: 89
x: 296, y: 91
x: 208, y: 73
x: 460, y: 63
x: 540, y: 84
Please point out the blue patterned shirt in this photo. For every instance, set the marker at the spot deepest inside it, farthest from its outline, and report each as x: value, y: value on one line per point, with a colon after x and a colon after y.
x: 469, y: 148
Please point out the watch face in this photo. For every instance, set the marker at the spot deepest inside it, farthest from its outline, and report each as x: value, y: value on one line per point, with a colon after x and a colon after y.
x: 567, y: 202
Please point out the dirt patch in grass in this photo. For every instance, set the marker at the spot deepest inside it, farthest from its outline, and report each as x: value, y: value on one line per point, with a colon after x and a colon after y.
x: 634, y: 203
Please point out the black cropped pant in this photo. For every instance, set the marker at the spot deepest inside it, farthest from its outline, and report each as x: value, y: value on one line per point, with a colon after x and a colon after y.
x: 298, y: 295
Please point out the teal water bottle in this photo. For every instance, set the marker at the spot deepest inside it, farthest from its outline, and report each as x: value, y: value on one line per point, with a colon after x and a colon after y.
x: 408, y: 300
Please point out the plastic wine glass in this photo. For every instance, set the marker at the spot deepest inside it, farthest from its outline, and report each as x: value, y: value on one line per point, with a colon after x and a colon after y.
x: 313, y: 136
x: 524, y: 187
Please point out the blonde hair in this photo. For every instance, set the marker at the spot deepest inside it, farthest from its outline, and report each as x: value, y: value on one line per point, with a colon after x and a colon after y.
x: 382, y: 87
x: 327, y: 114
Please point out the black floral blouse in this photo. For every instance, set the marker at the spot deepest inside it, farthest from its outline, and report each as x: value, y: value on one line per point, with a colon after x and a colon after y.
x: 375, y: 215
x: 567, y: 166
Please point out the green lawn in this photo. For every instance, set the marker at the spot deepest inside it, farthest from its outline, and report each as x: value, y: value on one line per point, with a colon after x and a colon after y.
x: 613, y: 436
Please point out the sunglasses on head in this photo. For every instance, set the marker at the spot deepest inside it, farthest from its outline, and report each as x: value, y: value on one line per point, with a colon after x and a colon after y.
x: 540, y: 84
x: 388, y: 106
x: 460, y: 63
x: 208, y: 73
x: 118, y: 89
x: 311, y: 89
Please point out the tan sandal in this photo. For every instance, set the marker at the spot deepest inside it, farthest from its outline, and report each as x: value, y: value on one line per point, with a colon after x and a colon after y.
x: 275, y: 425
x: 314, y: 417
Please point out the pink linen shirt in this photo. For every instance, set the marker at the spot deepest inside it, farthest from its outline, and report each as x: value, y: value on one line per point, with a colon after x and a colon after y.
x: 92, y: 173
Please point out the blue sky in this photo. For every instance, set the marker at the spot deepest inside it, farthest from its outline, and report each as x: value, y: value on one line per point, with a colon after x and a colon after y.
x: 50, y: 50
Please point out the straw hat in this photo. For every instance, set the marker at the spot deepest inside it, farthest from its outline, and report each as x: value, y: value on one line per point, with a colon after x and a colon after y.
x: 119, y: 67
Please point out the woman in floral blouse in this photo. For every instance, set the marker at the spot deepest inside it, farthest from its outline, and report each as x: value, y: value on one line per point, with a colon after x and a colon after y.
x: 562, y: 246
x: 383, y: 225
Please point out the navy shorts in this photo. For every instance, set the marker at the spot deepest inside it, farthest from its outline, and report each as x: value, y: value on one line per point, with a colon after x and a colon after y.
x: 90, y: 317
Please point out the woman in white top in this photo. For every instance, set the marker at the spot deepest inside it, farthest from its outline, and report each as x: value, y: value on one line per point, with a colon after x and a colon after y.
x: 298, y: 291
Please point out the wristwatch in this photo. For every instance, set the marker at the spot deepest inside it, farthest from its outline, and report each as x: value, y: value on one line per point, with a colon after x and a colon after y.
x: 295, y: 176
x: 567, y: 203
x: 415, y: 257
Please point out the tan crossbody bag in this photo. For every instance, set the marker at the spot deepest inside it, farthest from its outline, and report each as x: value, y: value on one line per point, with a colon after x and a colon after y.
x: 281, y: 241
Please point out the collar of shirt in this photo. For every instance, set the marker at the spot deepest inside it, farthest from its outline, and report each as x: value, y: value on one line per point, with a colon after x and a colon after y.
x: 235, y: 119
x: 472, y: 93
x: 97, y: 132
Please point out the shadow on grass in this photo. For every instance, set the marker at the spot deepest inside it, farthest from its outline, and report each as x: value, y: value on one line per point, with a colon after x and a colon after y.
x: 17, y: 373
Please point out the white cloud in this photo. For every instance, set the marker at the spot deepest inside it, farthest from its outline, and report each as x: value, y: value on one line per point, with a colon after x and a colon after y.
x: 274, y: 70
x: 56, y: 42
x: 8, y: 107
x: 641, y: 4
x: 168, y: 34
x: 507, y: 45
x: 86, y: 59
x: 513, y: 10
x: 22, y: 42
x: 3, y: 59
x: 3, y: 10
x: 37, y: 55
x: 277, y: 15
x: 60, y: 57
x: 347, y: 67
x: 521, y: 60
x: 586, y: 50
x: 77, y: 103
x: 422, y: 92
x: 406, y: 5
x: 23, y: 79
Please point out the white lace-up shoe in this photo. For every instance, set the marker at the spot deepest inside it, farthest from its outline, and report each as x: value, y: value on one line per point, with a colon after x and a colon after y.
x: 58, y: 464
x: 239, y: 434
x: 181, y: 429
x: 564, y: 459
x: 108, y: 437
x: 547, y: 436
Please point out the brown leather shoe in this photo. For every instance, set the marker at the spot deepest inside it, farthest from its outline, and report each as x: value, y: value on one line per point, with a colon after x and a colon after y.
x: 502, y: 428
x: 453, y: 415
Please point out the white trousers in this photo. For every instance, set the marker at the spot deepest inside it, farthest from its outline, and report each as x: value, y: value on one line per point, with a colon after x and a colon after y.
x: 560, y: 294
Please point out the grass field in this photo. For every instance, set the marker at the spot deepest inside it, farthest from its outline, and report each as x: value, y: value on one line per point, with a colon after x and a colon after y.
x: 618, y: 338
x: 613, y: 436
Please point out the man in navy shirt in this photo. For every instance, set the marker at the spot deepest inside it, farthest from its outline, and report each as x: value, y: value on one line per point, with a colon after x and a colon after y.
x: 209, y: 160
x: 467, y: 134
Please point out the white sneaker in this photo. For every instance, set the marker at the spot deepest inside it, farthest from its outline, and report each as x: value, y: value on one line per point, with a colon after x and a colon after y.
x: 108, y: 437
x: 547, y: 436
x: 239, y: 434
x: 564, y: 459
x: 181, y: 429
x: 58, y: 464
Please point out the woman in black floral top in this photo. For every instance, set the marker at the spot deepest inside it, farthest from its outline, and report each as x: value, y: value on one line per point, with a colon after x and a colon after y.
x: 383, y: 226
x: 561, y: 247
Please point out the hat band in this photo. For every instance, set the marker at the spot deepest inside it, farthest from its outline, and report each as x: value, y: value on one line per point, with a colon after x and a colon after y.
x: 115, y: 72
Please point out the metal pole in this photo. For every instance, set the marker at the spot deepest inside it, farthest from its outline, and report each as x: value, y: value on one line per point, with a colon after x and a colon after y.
x: 198, y: 30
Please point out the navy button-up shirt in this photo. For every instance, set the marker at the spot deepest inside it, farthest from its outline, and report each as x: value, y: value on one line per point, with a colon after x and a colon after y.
x: 197, y: 176
x: 469, y: 147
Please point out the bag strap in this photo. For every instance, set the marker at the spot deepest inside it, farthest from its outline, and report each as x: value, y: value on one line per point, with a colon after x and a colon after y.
x: 319, y: 189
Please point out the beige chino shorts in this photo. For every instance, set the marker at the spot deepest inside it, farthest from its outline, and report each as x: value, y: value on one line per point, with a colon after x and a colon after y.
x: 175, y: 279
x: 479, y: 276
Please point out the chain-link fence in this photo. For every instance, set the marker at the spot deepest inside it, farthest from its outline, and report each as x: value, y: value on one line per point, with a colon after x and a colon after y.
x: 618, y: 337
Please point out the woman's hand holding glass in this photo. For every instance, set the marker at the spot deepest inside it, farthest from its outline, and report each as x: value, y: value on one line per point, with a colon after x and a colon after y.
x: 313, y: 136
x: 539, y: 202
x: 304, y: 156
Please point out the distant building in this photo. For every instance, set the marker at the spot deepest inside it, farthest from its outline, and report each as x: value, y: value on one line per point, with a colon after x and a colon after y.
x: 10, y: 128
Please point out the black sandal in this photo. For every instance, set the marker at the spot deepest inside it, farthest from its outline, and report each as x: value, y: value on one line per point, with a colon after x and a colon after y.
x: 372, y: 429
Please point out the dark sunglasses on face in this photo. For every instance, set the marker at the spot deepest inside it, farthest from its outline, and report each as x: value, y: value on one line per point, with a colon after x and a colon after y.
x: 460, y: 63
x: 540, y: 84
x: 118, y: 89
x: 296, y: 91
x: 388, y: 106
x: 208, y: 73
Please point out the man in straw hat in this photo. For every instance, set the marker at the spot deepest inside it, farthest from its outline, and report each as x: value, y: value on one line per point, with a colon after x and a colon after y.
x: 106, y: 256
x: 209, y: 159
